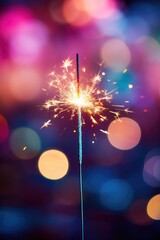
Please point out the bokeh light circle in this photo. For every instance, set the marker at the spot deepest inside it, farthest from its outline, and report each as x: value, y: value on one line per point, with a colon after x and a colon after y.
x: 124, y: 133
x: 53, y: 164
x: 28, y: 42
x: 4, y: 128
x: 25, y: 143
x: 151, y: 173
x: 13, y: 221
x: 116, y: 194
x: 153, y: 207
x: 12, y: 18
x: 116, y: 54
x: 74, y: 13
x: 25, y: 83
x: 100, y: 9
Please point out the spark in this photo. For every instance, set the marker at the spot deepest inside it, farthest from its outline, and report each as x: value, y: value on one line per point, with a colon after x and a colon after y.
x: 127, y: 110
x: 46, y: 124
x: 117, y: 114
x: 24, y: 148
x: 104, y: 131
x: 51, y: 73
x: 125, y: 70
x: 130, y: 86
x: 67, y: 63
x: 121, y: 106
x: 94, y: 102
x: 83, y: 69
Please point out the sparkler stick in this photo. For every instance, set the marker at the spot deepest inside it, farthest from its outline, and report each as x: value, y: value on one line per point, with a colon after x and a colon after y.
x: 74, y: 98
x: 80, y: 148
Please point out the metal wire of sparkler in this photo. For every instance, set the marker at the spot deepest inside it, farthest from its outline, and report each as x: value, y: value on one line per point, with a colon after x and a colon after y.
x: 80, y: 149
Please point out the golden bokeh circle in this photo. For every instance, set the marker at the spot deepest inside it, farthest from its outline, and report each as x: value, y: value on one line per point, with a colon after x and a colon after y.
x: 53, y: 164
x: 124, y: 133
x: 153, y: 207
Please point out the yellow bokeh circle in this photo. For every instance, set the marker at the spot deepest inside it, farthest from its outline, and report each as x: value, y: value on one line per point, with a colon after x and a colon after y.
x: 153, y: 207
x: 124, y: 133
x: 53, y: 164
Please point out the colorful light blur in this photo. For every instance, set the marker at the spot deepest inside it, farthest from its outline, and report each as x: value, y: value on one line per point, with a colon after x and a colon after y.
x: 151, y: 173
x: 115, y: 54
x: 53, y: 164
x: 119, y: 41
x: 116, y: 194
x: 24, y: 83
x: 12, y: 221
x: 25, y: 143
x: 4, y: 129
x: 74, y: 13
x: 100, y: 9
x: 28, y: 42
x: 95, y: 179
x: 12, y: 18
x: 153, y: 207
x: 114, y: 26
x: 124, y: 133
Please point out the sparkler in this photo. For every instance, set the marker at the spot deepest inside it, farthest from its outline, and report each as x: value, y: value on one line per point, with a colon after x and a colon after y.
x: 80, y: 148
x: 83, y: 100
x: 68, y: 98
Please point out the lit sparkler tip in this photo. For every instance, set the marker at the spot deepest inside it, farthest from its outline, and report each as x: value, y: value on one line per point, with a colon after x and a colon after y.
x: 69, y: 95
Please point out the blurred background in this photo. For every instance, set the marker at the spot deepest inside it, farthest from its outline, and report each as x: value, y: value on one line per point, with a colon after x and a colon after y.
x: 39, y: 170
